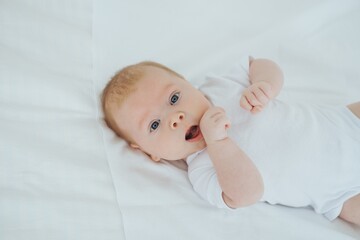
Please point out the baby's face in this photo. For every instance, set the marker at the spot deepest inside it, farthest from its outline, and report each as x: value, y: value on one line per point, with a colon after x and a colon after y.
x: 162, y: 116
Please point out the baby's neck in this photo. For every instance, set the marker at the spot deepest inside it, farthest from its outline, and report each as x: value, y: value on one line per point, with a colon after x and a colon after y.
x: 181, y: 164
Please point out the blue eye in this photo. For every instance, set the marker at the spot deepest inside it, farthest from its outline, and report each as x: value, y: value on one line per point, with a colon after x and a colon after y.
x: 154, y: 125
x: 174, y: 98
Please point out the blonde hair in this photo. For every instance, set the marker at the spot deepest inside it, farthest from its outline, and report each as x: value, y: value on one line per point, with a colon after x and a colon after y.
x: 120, y: 86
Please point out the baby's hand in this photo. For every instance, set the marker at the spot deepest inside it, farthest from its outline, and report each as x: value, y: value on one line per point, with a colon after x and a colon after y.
x: 256, y: 96
x: 213, y: 125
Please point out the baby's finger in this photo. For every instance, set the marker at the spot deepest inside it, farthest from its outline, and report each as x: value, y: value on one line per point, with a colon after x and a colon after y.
x: 244, y: 103
x: 261, y: 96
x: 216, y: 112
x: 256, y: 109
x: 220, y: 117
x: 212, y: 111
x: 227, y: 123
x: 224, y: 121
x: 251, y: 98
x: 266, y: 88
x: 216, y: 115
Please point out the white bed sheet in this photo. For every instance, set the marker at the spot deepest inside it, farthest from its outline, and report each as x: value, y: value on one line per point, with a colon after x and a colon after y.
x: 55, y: 181
x: 65, y: 175
x: 316, y: 43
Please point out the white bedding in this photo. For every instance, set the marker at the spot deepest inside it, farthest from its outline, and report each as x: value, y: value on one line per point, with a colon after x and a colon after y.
x: 65, y: 175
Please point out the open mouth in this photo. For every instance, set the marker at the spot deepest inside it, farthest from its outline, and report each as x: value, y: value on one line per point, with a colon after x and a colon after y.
x: 193, y: 134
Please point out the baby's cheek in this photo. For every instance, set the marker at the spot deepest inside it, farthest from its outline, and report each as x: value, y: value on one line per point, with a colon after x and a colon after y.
x: 169, y: 148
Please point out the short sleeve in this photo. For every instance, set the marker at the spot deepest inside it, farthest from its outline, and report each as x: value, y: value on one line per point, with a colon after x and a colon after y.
x: 239, y: 72
x: 232, y: 82
x: 204, y: 180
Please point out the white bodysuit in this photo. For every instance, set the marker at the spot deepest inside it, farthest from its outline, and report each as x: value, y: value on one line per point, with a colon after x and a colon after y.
x: 308, y: 155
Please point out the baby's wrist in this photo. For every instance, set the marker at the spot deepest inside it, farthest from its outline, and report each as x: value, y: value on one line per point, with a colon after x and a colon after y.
x: 210, y: 142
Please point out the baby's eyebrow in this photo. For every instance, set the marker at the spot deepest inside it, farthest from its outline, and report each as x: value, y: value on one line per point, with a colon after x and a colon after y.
x: 167, y: 88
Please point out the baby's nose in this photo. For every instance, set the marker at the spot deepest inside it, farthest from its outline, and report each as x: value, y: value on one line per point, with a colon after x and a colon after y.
x: 176, y: 119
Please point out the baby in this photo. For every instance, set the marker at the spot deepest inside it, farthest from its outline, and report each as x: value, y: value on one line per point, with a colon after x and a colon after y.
x: 241, y: 144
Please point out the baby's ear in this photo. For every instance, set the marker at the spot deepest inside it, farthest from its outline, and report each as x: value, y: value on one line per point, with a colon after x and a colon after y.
x: 155, y: 158
x: 135, y: 146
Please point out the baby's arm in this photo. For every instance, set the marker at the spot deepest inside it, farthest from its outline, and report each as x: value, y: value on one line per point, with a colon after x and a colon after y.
x: 266, y: 80
x: 238, y: 177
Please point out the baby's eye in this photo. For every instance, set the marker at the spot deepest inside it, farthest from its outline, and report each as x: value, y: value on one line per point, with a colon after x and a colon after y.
x: 154, y: 125
x: 174, y: 98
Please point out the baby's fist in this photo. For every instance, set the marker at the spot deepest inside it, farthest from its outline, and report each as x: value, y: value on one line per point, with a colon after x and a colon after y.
x: 214, y: 124
x: 256, y: 96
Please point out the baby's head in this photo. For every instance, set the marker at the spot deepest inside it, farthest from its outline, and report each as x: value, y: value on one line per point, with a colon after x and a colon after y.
x: 155, y: 110
x: 121, y: 85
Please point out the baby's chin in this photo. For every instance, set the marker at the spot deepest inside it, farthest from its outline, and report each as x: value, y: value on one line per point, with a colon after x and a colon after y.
x: 199, y: 146
x: 184, y: 150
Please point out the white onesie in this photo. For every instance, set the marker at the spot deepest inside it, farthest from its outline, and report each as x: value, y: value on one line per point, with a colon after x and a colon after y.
x: 308, y: 155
